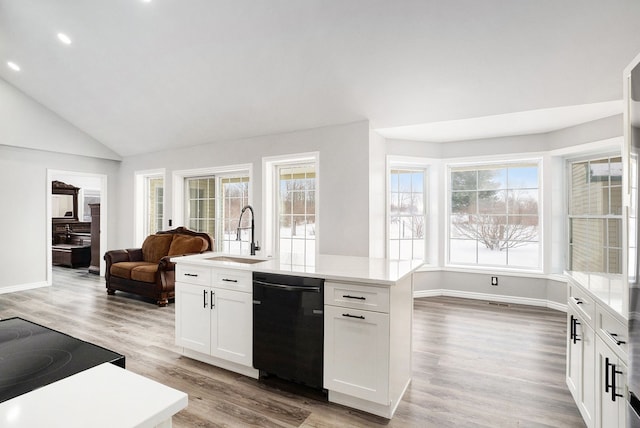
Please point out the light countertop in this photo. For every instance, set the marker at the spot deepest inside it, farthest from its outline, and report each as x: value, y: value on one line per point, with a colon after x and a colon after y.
x: 104, y: 396
x: 329, y: 267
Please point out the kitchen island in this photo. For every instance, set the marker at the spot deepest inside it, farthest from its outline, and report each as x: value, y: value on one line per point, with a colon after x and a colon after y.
x: 368, y: 315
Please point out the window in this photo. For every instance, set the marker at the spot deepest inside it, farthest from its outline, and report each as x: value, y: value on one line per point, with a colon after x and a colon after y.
x: 213, y: 204
x: 407, y: 221
x: 235, y: 196
x: 595, y: 221
x: 155, y: 204
x: 149, y: 203
x: 494, y: 215
x: 297, y: 212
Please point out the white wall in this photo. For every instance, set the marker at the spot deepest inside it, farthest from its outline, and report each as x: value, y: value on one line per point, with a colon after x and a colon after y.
x: 23, y: 172
x: 344, y: 180
x: 553, y: 147
x: 26, y: 123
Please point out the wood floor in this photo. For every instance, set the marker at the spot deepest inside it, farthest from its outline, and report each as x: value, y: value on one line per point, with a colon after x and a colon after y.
x: 475, y: 364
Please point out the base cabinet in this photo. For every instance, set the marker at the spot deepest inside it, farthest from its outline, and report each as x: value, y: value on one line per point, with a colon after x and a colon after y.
x: 596, y: 360
x: 581, y: 365
x: 357, y: 353
x: 216, y: 322
x: 193, y: 317
x: 611, y: 378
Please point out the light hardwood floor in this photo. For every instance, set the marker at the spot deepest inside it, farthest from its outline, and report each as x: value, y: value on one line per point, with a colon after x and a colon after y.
x: 475, y: 364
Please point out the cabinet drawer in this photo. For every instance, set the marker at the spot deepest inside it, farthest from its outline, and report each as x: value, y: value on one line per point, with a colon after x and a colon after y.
x: 231, y: 279
x: 584, y: 303
x: 190, y: 274
x: 357, y: 296
x: 614, y: 332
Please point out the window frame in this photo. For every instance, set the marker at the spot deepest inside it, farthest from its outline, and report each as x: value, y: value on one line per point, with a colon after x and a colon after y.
x: 270, y: 167
x: 416, y: 165
x: 585, y: 277
x: 488, y: 164
x: 142, y: 199
x: 179, y: 180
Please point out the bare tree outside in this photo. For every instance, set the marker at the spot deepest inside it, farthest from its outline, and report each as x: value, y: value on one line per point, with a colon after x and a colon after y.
x: 485, y: 210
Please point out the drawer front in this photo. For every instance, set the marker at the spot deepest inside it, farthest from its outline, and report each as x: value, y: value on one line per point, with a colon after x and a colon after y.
x: 231, y: 279
x: 583, y: 302
x: 614, y: 332
x: 365, y: 297
x: 199, y: 275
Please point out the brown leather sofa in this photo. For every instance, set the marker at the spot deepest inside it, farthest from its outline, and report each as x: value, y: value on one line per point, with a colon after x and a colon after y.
x: 147, y: 271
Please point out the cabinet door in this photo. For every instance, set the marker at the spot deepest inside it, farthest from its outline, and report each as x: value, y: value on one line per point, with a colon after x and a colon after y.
x: 611, y: 378
x: 581, y: 365
x: 231, y: 326
x: 193, y: 325
x: 356, y: 353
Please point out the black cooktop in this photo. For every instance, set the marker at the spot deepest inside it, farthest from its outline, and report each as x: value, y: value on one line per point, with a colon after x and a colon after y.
x: 32, y: 356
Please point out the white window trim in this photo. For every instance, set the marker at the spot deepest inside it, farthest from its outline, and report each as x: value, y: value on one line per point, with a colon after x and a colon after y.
x: 179, y: 176
x: 270, y: 197
x: 488, y: 161
x: 432, y: 196
x: 140, y: 201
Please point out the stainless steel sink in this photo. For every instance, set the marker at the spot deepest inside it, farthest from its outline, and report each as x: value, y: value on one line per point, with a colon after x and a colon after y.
x: 235, y: 259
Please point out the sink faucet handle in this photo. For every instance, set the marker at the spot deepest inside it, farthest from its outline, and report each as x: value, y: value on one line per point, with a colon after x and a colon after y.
x: 257, y: 246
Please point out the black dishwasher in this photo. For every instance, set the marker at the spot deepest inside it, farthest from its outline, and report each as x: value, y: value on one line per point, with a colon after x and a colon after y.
x: 288, y: 326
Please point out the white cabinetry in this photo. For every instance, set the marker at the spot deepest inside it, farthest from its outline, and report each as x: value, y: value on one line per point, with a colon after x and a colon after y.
x: 611, y: 376
x: 596, y: 359
x: 214, y: 315
x: 580, y: 364
x: 367, y: 344
x: 357, y: 353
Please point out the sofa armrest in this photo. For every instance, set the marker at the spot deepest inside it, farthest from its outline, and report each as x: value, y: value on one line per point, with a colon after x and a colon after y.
x: 166, y: 264
x: 115, y: 256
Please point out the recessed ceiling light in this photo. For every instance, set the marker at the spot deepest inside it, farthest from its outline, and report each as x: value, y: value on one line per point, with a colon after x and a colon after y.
x: 13, y: 66
x: 64, y: 38
x: 146, y: 1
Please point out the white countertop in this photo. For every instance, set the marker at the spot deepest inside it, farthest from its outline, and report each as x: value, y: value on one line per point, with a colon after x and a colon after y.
x: 105, y: 396
x: 329, y: 267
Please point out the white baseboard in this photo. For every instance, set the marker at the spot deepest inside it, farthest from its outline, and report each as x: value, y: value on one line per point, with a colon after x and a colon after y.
x: 23, y: 287
x: 491, y: 298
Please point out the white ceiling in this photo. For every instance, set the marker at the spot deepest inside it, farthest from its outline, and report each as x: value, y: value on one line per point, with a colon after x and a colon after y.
x: 141, y: 77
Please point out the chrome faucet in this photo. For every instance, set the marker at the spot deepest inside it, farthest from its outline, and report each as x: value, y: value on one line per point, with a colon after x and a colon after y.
x: 254, y: 246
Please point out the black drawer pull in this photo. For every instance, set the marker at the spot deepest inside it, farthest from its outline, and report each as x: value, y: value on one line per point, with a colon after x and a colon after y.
x: 360, y: 317
x: 614, y: 336
x: 204, y: 297
x: 346, y: 296
x: 578, y: 301
x: 229, y: 280
x: 191, y: 274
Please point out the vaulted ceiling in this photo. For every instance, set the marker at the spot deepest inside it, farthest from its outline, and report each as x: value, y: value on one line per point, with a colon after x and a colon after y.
x: 143, y: 76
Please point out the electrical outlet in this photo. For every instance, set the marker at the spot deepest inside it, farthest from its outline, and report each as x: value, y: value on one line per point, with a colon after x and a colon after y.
x: 494, y: 280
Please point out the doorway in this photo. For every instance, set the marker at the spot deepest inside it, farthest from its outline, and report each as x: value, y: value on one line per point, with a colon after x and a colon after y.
x: 92, y: 189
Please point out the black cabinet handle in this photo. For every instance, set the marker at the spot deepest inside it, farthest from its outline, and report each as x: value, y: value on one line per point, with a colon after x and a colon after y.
x: 614, y: 336
x: 213, y: 304
x: 353, y: 316
x: 191, y: 274
x: 614, y: 372
x: 346, y: 296
x: 576, y: 323
x: 204, y: 297
x: 578, y: 301
x: 572, y: 328
x: 229, y: 280
x: 606, y: 375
